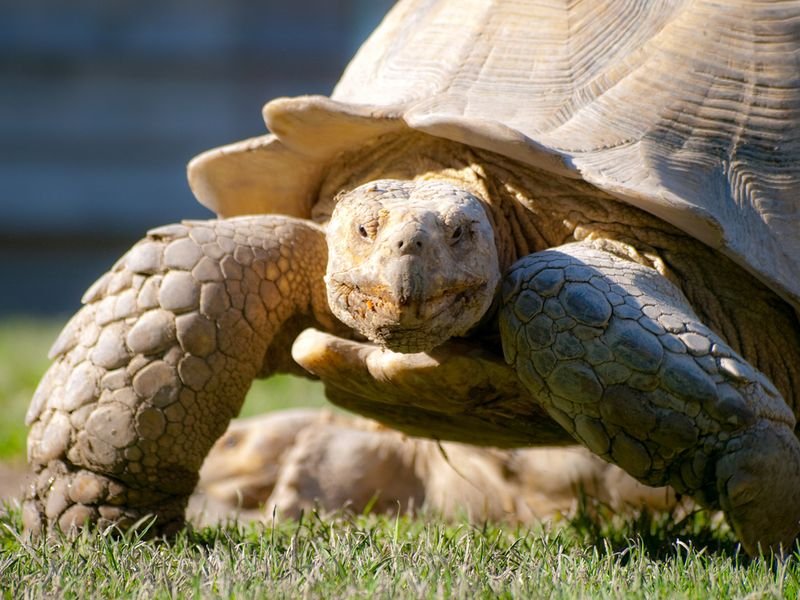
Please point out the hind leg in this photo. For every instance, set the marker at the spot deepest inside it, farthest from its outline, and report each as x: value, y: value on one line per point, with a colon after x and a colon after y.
x: 617, y: 356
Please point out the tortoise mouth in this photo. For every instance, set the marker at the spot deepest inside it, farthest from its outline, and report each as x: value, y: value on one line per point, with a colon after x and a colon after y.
x: 407, y: 326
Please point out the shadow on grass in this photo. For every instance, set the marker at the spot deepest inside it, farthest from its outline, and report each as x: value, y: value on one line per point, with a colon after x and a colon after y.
x: 659, y: 535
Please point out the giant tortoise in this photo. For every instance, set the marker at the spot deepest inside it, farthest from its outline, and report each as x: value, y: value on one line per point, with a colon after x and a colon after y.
x: 512, y: 223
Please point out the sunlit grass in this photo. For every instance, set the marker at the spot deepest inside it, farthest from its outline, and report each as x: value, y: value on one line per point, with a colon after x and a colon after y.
x: 282, y: 391
x: 366, y: 556
x: 23, y: 359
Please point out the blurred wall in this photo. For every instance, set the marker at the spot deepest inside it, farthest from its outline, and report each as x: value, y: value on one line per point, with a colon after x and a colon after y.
x: 103, y: 102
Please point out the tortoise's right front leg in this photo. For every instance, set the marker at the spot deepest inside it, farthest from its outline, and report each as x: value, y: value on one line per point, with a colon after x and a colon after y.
x: 148, y: 374
x: 615, y: 353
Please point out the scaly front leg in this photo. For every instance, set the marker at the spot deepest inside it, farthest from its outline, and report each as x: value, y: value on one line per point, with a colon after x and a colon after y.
x: 618, y: 357
x: 148, y: 374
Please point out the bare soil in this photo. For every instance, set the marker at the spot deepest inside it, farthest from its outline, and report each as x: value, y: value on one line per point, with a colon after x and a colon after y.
x: 13, y: 478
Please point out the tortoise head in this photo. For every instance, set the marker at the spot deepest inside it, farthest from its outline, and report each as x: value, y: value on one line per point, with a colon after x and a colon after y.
x: 410, y: 263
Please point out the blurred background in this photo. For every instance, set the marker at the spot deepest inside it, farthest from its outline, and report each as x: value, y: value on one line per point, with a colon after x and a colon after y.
x: 102, y: 103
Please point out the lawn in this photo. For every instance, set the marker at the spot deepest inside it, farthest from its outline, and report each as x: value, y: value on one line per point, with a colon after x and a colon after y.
x: 377, y: 556
x: 593, y: 554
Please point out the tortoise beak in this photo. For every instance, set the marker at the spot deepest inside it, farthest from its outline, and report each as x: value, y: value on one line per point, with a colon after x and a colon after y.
x: 406, y: 283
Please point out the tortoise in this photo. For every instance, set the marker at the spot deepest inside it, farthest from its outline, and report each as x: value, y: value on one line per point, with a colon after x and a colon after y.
x: 284, y: 463
x: 543, y: 223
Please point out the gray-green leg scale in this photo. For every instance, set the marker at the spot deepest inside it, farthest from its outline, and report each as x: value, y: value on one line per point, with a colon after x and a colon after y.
x: 148, y: 373
x: 617, y: 356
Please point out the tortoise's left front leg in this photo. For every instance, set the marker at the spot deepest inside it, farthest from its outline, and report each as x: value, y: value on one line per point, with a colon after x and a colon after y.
x: 617, y: 356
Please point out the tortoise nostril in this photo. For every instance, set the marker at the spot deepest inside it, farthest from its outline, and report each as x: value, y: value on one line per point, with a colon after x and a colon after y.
x: 412, y: 243
x: 400, y: 244
x: 410, y: 239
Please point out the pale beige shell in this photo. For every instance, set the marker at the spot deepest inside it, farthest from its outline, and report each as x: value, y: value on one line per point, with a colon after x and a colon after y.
x: 687, y: 109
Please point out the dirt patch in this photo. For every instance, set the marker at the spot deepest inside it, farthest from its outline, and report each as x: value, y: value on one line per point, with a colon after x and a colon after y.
x: 13, y: 478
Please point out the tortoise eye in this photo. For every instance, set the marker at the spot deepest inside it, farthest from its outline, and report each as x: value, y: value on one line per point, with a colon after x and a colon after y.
x: 367, y: 230
x: 456, y: 235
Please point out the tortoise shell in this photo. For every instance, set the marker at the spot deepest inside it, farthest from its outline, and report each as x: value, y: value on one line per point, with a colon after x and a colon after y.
x: 689, y: 110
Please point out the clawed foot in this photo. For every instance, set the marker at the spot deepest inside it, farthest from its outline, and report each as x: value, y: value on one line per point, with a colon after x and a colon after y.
x: 458, y: 391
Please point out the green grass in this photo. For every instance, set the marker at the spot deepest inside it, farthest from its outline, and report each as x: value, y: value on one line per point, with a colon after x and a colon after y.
x: 595, y: 554
x: 376, y: 556
x: 23, y: 359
